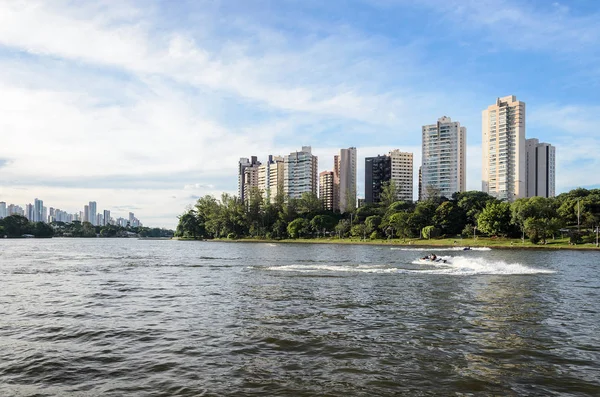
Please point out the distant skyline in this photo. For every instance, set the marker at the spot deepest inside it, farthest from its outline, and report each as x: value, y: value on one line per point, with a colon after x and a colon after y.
x: 148, y: 105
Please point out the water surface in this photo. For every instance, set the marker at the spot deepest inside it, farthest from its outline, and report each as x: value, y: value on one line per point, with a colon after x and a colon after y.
x: 114, y: 317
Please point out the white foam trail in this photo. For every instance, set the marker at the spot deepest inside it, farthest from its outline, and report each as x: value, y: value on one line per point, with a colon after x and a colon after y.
x: 464, y: 266
x: 442, y: 249
x: 329, y: 268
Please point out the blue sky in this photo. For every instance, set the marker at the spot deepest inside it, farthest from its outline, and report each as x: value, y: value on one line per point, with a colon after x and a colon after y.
x: 145, y: 105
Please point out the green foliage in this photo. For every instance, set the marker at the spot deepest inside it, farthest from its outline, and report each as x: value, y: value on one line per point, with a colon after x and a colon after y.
x: 323, y: 223
x: 16, y: 226
x: 359, y: 230
x: 450, y: 218
x: 389, y: 194
x: 430, y: 232
x: 343, y: 228
x: 285, y: 217
x: 298, y: 228
x: 494, y: 220
x: 372, y: 223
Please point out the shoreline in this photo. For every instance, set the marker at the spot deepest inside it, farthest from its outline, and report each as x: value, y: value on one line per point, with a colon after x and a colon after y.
x: 425, y: 244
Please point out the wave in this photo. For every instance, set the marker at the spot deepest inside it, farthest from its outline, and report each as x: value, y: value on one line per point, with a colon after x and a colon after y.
x: 441, y: 249
x: 464, y: 266
x: 329, y: 268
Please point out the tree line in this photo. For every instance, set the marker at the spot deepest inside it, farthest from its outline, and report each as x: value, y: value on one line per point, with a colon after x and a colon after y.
x: 576, y: 213
x: 19, y: 226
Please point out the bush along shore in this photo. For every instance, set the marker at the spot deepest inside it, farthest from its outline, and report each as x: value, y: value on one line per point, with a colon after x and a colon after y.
x: 472, y: 218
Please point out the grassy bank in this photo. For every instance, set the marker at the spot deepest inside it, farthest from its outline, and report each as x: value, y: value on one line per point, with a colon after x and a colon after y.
x: 499, y: 243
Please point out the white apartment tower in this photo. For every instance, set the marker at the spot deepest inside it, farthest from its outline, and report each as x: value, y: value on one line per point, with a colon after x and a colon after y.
x: 242, y: 165
x: 443, y: 158
x: 503, y: 149
x: 344, y: 179
x: 300, y: 173
x: 250, y: 179
x: 270, y: 178
x: 93, y: 213
x: 3, y: 211
x: 402, y: 174
x: 540, y: 168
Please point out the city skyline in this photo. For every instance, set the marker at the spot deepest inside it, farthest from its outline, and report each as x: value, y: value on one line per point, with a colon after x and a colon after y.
x: 148, y: 107
x: 38, y: 212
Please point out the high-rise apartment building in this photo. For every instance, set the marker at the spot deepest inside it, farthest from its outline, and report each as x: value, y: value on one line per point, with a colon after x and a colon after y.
x: 503, y: 170
x: 326, y: 187
x: 540, y: 174
x: 402, y: 174
x: 250, y: 179
x: 93, y: 213
x: 242, y: 165
x: 30, y: 212
x: 270, y: 178
x: 300, y: 173
x: 106, y: 217
x: 344, y: 179
x: 3, y: 211
x: 378, y: 170
x: 443, y: 158
x: 38, y: 210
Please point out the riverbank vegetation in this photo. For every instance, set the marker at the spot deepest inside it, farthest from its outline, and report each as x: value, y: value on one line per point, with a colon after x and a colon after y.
x: 571, y: 217
x: 19, y: 226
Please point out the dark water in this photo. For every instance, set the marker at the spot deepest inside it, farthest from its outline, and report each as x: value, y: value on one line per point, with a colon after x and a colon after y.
x: 104, y: 317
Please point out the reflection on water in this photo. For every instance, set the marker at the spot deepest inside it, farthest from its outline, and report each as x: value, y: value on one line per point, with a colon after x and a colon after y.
x: 130, y: 317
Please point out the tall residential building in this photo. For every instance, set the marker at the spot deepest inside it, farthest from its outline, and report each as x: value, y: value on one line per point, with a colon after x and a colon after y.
x: 378, y: 170
x: 402, y: 174
x: 86, y: 213
x: 443, y: 158
x: 540, y: 168
x: 15, y: 210
x: 3, y: 212
x: 93, y: 214
x: 30, y: 212
x: 503, y: 149
x: 300, y: 173
x: 270, y: 178
x: 344, y: 169
x: 242, y: 165
x: 250, y: 180
x: 326, y: 187
x: 106, y: 217
x: 38, y: 210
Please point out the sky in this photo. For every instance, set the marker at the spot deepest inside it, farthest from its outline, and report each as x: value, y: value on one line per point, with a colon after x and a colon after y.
x: 145, y: 106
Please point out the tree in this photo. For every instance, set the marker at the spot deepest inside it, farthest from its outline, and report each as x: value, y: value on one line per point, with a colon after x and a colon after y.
x: 430, y: 231
x: 450, y: 218
x: 494, y: 220
x: 298, y: 227
x: 342, y: 228
x: 389, y: 194
x: 323, y: 223
x: 399, y: 223
x: 372, y: 223
x: 15, y: 225
x: 359, y: 230
x: 309, y: 204
x: 472, y: 203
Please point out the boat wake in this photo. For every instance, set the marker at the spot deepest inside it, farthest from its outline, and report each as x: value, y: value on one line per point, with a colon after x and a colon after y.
x: 442, y: 249
x: 466, y: 266
x: 330, y: 268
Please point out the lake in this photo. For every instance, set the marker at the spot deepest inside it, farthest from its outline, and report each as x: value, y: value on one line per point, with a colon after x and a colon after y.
x: 115, y: 317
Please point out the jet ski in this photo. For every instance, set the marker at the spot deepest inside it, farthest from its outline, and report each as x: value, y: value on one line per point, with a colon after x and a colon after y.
x: 433, y: 258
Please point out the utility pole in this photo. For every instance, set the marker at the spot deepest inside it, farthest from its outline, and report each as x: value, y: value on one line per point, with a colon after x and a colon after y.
x: 474, y: 232
x: 596, y: 236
